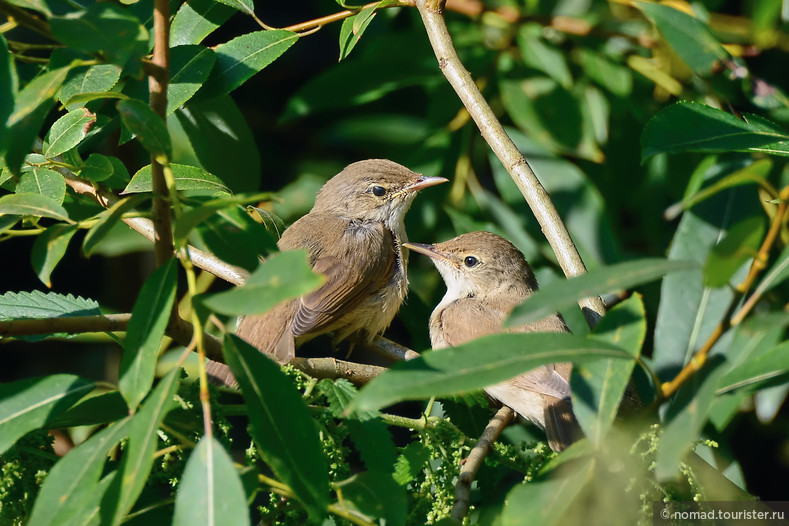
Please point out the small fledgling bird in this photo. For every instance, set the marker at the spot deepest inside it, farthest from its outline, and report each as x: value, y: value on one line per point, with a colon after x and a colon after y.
x: 486, y: 277
x: 353, y: 235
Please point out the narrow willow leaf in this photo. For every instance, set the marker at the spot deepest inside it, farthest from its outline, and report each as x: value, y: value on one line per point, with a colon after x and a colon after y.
x: 758, y: 370
x: 81, y: 99
x: 477, y: 364
x: 44, y: 181
x: 107, y: 220
x: 49, y: 248
x: 95, y: 410
x: 199, y: 215
x: 540, y: 55
x: 598, y: 386
x: 740, y: 245
x: 7, y: 74
x: 138, y: 455
x: 562, y: 294
x: 686, y: 415
x: 186, y: 178
x: 197, y: 19
x: 353, y: 28
x: 103, y: 28
x: 31, y: 108
x: 377, y: 495
x: 88, y: 79
x: 150, y: 316
x: 544, y: 501
x: 689, y: 37
x: 210, y: 490
x: 73, y: 481
x: 68, y: 131
x: 190, y: 65
x: 35, y: 205
x: 239, y: 59
x: 281, y: 425
x: 694, y: 127
x: 283, y: 276
x: 149, y: 128
x: 245, y: 6
x: 29, y: 404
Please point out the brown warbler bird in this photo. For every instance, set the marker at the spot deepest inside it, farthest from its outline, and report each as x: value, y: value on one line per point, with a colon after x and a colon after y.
x: 353, y: 235
x: 486, y: 277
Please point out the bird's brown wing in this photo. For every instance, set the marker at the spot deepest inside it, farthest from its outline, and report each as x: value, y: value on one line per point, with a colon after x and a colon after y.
x: 355, y: 268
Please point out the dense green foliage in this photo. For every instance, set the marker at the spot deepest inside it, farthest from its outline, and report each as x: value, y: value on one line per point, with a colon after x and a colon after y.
x: 659, y: 129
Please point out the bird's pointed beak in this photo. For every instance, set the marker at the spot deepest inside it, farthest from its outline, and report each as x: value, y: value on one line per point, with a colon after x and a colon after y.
x: 424, y: 182
x: 427, y: 250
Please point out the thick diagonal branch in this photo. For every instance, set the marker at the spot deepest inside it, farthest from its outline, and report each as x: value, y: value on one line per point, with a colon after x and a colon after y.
x: 537, y: 198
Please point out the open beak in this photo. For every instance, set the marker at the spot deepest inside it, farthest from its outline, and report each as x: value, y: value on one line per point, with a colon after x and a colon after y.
x: 427, y: 250
x: 424, y: 182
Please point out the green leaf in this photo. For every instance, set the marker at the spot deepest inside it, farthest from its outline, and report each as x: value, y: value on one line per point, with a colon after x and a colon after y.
x: 68, y: 131
x: 88, y: 79
x: 694, y: 127
x: 616, y: 78
x: 96, y: 409
x: 31, y: 108
x: 29, y: 404
x: 197, y: 19
x: 189, y: 67
x: 245, y: 6
x: 97, y: 168
x: 550, y: 115
x: 233, y: 236
x: 376, y: 495
x: 37, y: 304
x: 281, y: 425
x: 411, y: 462
x: 49, y: 248
x: 545, y: 501
x: 740, y: 244
x: 210, y: 490
x: 239, y: 59
x: 81, y: 99
x: 74, y: 480
x: 353, y: 28
x: 198, y: 215
x: 561, y: 294
x: 43, y: 181
x: 477, y: 364
x: 538, y: 54
x: 689, y: 37
x: 103, y: 28
x: 285, y: 275
x: 150, y: 316
x: 186, y: 178
x: 35, y: 205
x: 149, y: 128
x: 107, y: 219
x: 757, y: 370
x: 6, y: 89
x: 686, y: 415
x: 212, y: 132
x: 689, y: 311
x: 138, y: 456
x: 598, y: 386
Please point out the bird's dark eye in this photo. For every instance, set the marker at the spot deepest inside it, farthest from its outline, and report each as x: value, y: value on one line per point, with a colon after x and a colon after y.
x: 470, y: 261
x: 379, y: 191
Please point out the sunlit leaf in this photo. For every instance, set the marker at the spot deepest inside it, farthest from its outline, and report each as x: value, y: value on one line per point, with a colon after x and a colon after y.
x: 353, y: 28
x: 147, y: 126
x: 68, y: 131
x: 197, y: 19
x: 189, y: 67
x: 43, y: 181
x: 186, y: 178
x: 35, y: 205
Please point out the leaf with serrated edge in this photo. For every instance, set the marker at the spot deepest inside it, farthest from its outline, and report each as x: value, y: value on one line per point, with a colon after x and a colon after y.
x: 29, y: 404
x: 210, y: 491
x: 149, y: 318
x: 37, y: 304
x: 281, y: 425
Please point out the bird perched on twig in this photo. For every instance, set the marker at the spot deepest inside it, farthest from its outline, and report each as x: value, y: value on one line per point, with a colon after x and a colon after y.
x: 353, y: 235
x: 486, y: 277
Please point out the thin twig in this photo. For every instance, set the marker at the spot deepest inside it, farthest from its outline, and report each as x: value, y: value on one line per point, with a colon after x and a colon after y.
x: 537, y: 198
x: 475, y: 459
x: 336, y: 17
